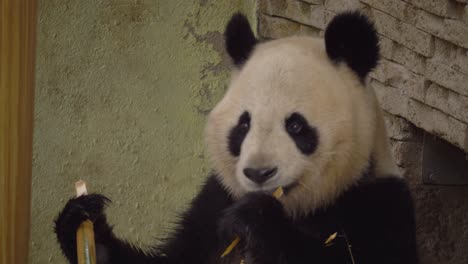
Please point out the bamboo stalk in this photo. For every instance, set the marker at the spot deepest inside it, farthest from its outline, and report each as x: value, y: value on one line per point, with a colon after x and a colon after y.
x: 85, y: 247
x: 17, y: 53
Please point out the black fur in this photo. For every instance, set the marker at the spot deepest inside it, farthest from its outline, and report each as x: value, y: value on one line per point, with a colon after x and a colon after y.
x: 351, y: 37
x: 238, y: 133
x: 240, y: 40
x: 375, y: 217
x: 305, y: 136
x: 92, y: 207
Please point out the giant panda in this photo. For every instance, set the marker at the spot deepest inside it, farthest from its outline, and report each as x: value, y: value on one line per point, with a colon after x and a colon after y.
x: 297, y: 114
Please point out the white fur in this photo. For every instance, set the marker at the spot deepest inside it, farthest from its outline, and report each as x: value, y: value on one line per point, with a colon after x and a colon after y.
x: 295, y: 75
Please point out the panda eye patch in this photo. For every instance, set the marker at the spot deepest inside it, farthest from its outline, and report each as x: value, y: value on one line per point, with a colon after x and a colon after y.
x: 304, y: 136
x: 238, y: 134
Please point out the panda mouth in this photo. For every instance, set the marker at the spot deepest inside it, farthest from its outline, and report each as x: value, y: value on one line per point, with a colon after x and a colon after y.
x: 286, y: 189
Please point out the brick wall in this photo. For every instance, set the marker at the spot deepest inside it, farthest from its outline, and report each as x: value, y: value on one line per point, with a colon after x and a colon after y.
x: 422, y: 85
x: 423, y: 75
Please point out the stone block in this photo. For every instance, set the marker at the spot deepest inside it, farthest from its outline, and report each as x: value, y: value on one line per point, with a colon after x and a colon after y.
x: 447, y: 77
x: 393, y: 51
x: 444, y: 8
x: 396, y: 75
x: 271, y: 7
x: 329, y: 15
x: 437, y: 97
x: 452, y: 30
x: 315, y: 2
x: 457, y: 32
x: 437, y: 123
x: 458, y: 106
x: 406, y: 153
x: 322, y: 33
x: 338, y: 6
x: 299, y: 11
x: 403, y: 33
x: 451, y: 55
x: 396, y: 8
x: 386, y: 47
x: 408, y: 58
x: 276, y: 27
x: 465, y: 16
x: 420, y: 114
x: 447, y: 101
x: 390, y: 99
x: 398, y: 128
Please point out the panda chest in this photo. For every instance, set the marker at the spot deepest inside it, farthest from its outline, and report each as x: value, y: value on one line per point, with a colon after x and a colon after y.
x: 235, y: 260
x: 235, y: 257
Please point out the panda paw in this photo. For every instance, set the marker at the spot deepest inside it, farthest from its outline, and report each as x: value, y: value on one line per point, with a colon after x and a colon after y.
x: 257, y: 219
x: 75, y: 212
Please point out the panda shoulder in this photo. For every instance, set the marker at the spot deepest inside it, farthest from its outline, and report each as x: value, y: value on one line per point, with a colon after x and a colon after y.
x: 212, y: 198
x: 387, y: 197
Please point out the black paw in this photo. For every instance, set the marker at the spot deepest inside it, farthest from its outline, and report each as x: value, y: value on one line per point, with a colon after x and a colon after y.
x: 256, y: 219
x: 75, y: 212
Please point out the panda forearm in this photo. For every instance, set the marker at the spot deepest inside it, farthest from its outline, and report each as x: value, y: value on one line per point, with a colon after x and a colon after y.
x: 110, y: 249
x: 120, y: 252
x: 196, y: 236
x: 185, y: 247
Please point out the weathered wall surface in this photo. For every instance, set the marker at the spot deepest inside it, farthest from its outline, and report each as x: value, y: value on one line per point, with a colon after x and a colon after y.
x: 122, y: 90
x: 422, y: 84
x: 441, y: 211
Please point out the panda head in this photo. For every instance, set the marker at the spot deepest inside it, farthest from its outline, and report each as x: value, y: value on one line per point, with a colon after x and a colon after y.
x: 297, y: 113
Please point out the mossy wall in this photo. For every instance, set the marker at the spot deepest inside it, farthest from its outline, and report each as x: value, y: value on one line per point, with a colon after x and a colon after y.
x: 122, y: 92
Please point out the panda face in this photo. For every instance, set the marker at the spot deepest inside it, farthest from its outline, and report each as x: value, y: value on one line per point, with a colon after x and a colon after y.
x: 262, y: 165
x: 270, y: 137
x: 292, y: 117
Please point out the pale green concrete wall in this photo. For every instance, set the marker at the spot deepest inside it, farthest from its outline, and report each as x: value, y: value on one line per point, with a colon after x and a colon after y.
x: 122, y: 92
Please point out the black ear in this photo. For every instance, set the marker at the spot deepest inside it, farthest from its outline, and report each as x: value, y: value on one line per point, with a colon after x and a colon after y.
x: 240, y: 40
x: 352, y: 38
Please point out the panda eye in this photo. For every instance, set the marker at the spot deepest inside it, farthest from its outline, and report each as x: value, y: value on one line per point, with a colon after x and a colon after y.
x: 295, y: 127
x: 238, y: 133
x: 304, y: 135
x: 244, y: 127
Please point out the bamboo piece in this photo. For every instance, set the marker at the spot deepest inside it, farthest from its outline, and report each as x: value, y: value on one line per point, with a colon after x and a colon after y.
x: 85, y: 247
x: 277, y: 194
x: 17, y: 53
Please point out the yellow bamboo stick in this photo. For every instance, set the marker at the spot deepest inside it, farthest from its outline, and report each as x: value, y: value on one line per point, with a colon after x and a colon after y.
x: 85, y: 247
x: 231, y: 247
x: 277, y: 194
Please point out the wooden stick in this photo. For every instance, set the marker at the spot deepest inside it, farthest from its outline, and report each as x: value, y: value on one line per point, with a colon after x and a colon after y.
x: 277, y: 194
x: 85, y: 247
x: 17, y: 54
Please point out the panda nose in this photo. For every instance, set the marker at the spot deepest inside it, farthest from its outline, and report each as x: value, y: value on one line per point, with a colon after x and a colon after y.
x: 260, y: 175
